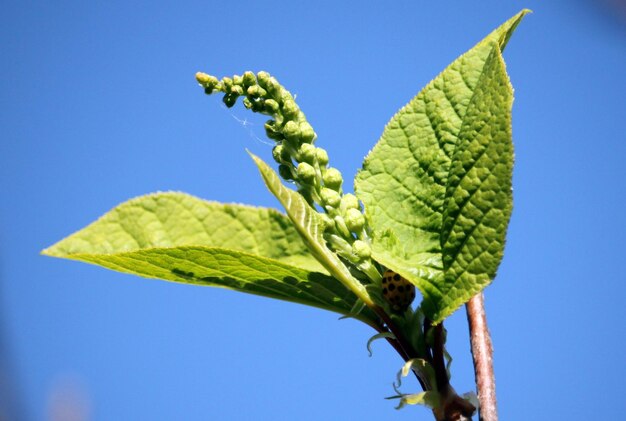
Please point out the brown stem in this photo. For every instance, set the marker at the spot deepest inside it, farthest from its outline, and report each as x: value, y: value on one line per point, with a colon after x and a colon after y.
x: 482, y: 352
x: 439, y: 364
x: 453, y: 407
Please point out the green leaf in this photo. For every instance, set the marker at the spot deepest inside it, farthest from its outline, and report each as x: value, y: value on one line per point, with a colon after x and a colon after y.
x: 422, y: 368
x: 427, y: 374
x: 180, y: 238
x: 429, y: 399
x: 386, y: 335
x: 177, y: 219
x: 310, y: 226
x: 479, y: 195
x: 436, y: 187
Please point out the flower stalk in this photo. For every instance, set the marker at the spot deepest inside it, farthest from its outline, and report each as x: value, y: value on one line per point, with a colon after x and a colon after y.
x: 301, y: 163
x: 346, y: 230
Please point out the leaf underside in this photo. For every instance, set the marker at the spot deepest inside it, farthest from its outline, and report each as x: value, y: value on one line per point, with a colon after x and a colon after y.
x: 437, y: 185
x: 180, y: 238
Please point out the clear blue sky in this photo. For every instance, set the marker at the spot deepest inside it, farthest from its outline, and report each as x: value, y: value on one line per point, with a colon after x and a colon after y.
x: 99, y: 104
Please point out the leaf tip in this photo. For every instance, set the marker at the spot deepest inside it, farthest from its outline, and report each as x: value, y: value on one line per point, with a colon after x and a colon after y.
x: 520, y: 15
x: 50, y: 251
x: 254, y: 157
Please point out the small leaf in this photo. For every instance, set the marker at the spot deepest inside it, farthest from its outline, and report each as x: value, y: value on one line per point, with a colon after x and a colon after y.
x: 381, y: 335
x: 357, y: 308
x: 177, y: 237
x: 415, y: 182
x: 310, y: 226
x: 426, y: 374
x: 422, y: 368
x: 429, y: 399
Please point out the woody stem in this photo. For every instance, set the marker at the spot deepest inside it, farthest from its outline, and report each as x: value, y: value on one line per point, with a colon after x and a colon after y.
x: 482, y: 353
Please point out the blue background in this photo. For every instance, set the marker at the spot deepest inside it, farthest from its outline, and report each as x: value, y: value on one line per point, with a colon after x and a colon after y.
x: 99, y: 104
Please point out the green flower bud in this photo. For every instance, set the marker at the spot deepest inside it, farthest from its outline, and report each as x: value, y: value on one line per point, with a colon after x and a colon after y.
x: 330, y: 197
x: 355, y: 221
x: 228, y: 83
x: 229, y: 100
x: 338, y: 244
x: 206, y: 80
x: 349, y: 201
x: 287, y: 152
x: 237, y: 80
x: 236, y: 90
x: 361, y: 249
x: 247, y: 103
x: 258, y: 106
x: 306, y: 173
x: 271, y: 106
x: 263, y: 79
x: 256, y: 91
x: 285, y: 172
x: 273, y: 87
x: 291, y: 131
x: 322, y: 157
x: 333, y: 179
x: 307, y: 133
x: 307, y: 153
x: 203, y: 78
x: 271, y: 131
x: 249, y: 79
x: 328, y: 222
x: 290, y: 109
x: 277, y: 153
x: 341, y: 227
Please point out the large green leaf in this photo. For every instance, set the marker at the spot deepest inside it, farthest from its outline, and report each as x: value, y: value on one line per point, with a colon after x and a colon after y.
x: 444, y: 160
x: 180, y: 238
x: 479, y: 197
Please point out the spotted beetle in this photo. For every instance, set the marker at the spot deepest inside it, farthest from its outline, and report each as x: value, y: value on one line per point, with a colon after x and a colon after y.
x: 398, y: 291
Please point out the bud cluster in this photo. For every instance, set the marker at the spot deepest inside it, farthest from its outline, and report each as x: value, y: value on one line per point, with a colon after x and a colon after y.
x: 301, y: 162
